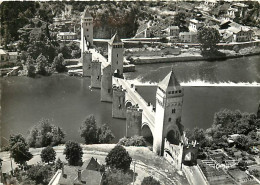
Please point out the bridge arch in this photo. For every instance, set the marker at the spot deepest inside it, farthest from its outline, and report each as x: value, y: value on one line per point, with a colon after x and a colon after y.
x: 173, y: 137
x: 147, y: 133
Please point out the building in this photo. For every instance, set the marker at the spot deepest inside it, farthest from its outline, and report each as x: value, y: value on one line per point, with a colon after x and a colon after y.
x: 231, y: 13
x: 3, y: 56
x: 234, y: 32
x: 194, y: 25
x: 169, y: 99
x: 188, y: 37
x: 86, y: 30
x: 241, y: 8
x: 67, y: 36
x: 6, y: 57
x: 88, y: 174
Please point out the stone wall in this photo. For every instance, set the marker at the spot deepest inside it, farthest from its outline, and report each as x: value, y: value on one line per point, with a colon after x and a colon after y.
x: 133, y: 121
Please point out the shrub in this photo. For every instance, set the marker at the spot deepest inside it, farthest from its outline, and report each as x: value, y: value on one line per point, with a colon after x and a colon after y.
x: 39, y: 174
x: 132, y: 141
x: 150, y: 181
x: 58, y: 164
x: 116, y: 177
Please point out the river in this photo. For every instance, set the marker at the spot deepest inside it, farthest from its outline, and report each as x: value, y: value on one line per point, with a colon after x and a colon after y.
x: 67, y: 101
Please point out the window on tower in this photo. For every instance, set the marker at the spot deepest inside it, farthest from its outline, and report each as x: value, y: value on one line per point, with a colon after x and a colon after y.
x: 173, y: 110
x: 179, y: 91
x: 87, y: 29
x: 170, y: 119
x: 117, y: 55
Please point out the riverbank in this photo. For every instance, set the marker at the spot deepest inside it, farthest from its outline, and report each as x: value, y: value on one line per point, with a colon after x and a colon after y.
x: 146, y: 163
x: 191, y: 56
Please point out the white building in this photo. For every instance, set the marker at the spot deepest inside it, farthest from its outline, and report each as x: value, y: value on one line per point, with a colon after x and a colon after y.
x: 195, y: 25
x: 67, y: 36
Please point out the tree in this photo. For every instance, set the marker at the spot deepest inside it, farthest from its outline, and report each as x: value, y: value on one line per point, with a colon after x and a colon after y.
x: 150, y: 181
x: 41, y: 65
x: 88, y: 130
x: 19, y: 149
x: 40, y: 174
x: 105, y: 135
x: 48, y: 155
x: 208, y: 38
x: 255, y: 172
x: 116, y: 177
x: 242, y: 142
x: 119, y: 158
x: 58, y: 164
x: 44, y: 134
x: 180, y: 20
x: 58, y: 63
x: 73, y: 153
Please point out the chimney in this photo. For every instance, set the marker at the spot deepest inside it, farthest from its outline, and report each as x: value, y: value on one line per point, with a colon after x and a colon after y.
x: 79, y: 175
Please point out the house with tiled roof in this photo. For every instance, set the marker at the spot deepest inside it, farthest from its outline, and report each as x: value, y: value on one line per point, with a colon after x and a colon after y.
x: 87, y: 174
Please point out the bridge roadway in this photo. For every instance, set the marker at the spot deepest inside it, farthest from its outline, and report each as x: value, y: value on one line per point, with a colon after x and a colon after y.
x: 135, y: 98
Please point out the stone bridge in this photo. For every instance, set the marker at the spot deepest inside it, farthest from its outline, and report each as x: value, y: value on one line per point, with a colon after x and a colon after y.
x: 132, y: 97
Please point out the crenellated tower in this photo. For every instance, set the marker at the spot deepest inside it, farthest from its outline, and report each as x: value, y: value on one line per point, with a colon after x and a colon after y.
x: 118, y: 103
x: 169, y: 99
x: 86, y: 31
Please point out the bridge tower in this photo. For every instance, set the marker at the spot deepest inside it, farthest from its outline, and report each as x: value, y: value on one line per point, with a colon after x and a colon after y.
x: 86, y: 31
x: 106, y: 84
x: 115, y: 55
x: 169, y: 99
x: 133, y: 121
x: 118, y: 103
x: 95, y: 74
x: 86, y: 63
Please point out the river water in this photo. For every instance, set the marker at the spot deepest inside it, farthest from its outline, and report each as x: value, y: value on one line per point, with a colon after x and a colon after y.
x: 67, y: 101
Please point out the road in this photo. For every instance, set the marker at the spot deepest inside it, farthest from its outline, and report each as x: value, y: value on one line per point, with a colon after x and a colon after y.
x: 194, y: 175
